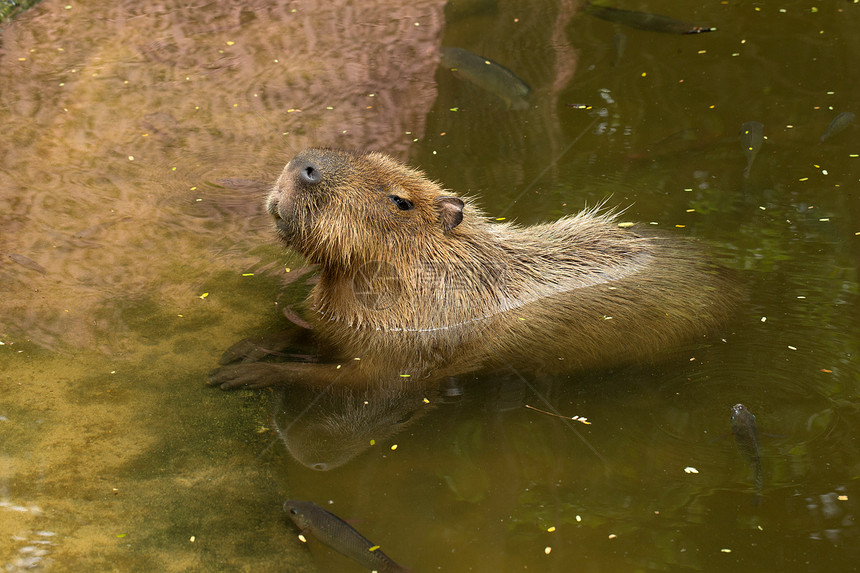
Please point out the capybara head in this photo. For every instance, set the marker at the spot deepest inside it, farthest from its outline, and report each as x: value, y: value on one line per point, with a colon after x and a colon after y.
x: 338, y: 207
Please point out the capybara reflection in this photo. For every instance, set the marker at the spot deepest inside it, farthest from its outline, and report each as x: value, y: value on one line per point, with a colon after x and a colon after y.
x: 417, y: 282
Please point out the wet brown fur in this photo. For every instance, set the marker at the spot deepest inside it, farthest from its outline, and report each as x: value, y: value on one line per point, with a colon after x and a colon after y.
x: 423, y: 293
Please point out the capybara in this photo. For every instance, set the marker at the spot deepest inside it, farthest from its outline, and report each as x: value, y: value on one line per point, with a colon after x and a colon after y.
x: 417, y: 282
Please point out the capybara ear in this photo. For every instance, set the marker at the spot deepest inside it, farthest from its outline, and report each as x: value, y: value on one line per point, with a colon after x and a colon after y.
x: 450, y: 211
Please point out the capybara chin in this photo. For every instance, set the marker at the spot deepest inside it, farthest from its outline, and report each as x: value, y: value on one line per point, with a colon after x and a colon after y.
x: 416, y: 280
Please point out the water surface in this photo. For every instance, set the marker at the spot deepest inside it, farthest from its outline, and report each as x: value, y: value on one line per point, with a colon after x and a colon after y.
x: 139, y: 140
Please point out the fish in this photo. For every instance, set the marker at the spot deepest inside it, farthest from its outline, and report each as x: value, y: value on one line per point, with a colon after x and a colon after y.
x: 619, y: 42
x: 96, y: 229
x: 28, y: 263
x: 839, y: 123
x: 331, y: 530
x: 752, y: 135
x: 746, y: 435
x: 644, y: 20
x: 487, y: 75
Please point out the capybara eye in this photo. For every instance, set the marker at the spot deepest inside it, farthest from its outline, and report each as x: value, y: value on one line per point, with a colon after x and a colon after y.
x: 402, y: 204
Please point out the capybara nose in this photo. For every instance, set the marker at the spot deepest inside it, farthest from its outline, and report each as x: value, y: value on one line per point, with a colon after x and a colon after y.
x: 309, y: 173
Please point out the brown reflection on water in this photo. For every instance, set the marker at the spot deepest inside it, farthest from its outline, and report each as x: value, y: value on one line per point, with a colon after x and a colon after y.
x: 119, y: 120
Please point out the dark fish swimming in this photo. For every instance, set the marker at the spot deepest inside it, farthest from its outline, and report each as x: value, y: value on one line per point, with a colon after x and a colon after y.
x: 839, y: 123
x: 27, y: 262
x: 644, y: 20
x: 96, y: 229
x: 487, y: 75
x: 619, y: 42
x: 752, y: 135
x: 331, y: 530
x: 745, y: 431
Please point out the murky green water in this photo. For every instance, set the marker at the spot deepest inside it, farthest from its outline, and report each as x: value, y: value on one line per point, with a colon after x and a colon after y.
x: 139, y: 140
